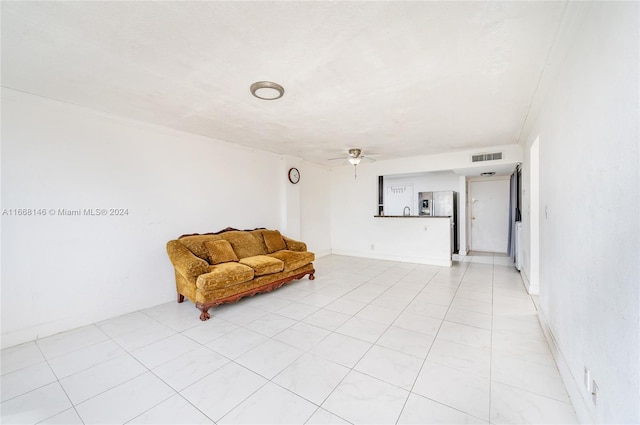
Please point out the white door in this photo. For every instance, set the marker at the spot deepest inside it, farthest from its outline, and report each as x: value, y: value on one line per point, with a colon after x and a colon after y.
x: 489, y: 208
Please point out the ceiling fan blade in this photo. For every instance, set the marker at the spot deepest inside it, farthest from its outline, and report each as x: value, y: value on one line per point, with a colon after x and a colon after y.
x: 333, y: 159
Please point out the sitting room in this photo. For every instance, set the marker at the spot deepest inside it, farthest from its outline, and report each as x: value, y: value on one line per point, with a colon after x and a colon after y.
x: 320, y: 212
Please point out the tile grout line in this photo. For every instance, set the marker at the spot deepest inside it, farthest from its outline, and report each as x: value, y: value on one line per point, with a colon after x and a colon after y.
x: 425, y: 360
x: 127, y: 353
x: 271, y: 380
x: 58, y: 379
x: 493, y: 276
x: 352, y: 368
x: 305, y: 352
x: 130, y: 354
x: 73, y: 406
x: 429, y: 351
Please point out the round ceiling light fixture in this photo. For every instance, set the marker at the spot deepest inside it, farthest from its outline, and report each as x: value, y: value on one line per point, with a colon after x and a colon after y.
x: 488, y: 174
x: 267, y: 90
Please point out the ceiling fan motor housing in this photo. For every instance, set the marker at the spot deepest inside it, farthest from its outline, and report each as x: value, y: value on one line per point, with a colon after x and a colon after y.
x: 354, y: 153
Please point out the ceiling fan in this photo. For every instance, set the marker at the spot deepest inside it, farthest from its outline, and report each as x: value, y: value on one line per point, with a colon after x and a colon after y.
x: 354, y: 158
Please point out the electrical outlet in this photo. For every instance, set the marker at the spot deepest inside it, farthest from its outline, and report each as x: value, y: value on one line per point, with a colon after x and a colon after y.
x: 594, y: 393
x: 587, y: 380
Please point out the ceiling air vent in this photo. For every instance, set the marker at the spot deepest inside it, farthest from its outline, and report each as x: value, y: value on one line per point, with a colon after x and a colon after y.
x: 486, y: 157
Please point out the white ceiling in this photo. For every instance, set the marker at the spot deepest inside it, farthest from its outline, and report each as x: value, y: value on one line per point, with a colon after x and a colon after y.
x: 394, y: 78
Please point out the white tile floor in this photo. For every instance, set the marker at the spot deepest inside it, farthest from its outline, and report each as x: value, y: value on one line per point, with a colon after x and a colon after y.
x: 366, y: 342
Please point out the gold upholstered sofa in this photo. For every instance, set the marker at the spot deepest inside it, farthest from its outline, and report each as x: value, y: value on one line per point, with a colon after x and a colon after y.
x: 222, y: 267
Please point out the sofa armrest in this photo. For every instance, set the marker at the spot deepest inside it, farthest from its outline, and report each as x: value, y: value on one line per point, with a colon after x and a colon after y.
x: 293, y: 245
x: 187, y: 264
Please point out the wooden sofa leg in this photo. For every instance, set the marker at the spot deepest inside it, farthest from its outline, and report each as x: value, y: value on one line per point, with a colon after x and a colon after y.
x: 311, y: 276
x: 180, y: 298
x: 205, y: 315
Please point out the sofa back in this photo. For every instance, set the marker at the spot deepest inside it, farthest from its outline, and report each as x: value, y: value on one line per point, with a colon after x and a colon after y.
x: 244, y: 243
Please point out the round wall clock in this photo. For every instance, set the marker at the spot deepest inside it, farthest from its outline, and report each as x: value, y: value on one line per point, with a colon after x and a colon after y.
x: 294, y: 175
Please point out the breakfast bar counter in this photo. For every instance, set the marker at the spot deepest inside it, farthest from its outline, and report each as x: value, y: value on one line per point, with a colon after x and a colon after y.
x: 414, y: 238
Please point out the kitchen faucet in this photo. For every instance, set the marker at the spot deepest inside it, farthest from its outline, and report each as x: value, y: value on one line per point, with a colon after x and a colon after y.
x: 404, y: 211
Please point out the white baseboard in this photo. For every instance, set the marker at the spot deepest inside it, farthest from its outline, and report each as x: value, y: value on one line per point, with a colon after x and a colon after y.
x: 584, y: 410
x: 32, y: 333
x: 442, y: 262
x: 73, y: 320
x: 324, y: 253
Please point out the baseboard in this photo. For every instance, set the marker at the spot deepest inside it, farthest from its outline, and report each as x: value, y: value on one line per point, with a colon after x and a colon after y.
x: 320, y: 254
x: 582, y: 406
x: 32, y: 333
x: 403, y: 259
x: 460, y: 257
x: 73, y: 321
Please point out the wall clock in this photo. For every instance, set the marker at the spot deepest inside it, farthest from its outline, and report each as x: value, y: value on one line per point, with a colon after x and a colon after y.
x: 294, y: 175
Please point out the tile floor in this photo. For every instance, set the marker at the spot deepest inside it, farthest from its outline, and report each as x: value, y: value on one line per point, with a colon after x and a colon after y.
x: 368, y: 341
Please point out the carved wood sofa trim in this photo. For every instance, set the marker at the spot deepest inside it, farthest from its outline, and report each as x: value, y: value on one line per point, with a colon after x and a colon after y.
x: 251, y: 292
x: 228, y: 229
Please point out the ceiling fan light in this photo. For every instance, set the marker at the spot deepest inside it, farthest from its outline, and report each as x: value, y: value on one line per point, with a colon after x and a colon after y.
x: 354, y: 161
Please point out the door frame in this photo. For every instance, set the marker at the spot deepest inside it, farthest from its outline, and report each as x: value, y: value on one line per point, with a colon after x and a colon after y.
x: 533, y: 272
x: 468, y: 203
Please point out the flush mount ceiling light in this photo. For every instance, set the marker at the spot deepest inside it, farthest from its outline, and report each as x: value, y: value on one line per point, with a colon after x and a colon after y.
x: 267, y: 90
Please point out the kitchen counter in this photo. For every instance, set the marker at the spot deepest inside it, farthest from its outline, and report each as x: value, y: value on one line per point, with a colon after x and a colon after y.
x: 426, y: 241
x: 412, y: 216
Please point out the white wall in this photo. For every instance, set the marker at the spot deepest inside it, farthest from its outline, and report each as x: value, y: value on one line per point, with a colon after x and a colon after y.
x: 589, y: 202
x: 315, y: 207
x: 354, y: 201
x: 290, y: 219
x: 62, y: 272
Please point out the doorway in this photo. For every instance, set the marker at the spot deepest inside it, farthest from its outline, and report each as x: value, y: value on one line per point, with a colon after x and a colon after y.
x: 489, y: 212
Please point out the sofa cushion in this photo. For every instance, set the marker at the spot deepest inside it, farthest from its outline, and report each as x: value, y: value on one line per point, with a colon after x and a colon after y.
x: 293, y: 259
x: 224, y: 275
x: 257, y: 233
x: 195, y: 244
x: 220, y: 252
x: 273, y: 240
x: 244, y: 243
x: 294, y: 245
x: 262, y: 264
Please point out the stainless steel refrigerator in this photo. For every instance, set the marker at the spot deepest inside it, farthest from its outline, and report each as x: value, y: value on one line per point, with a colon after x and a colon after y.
x: 441, y: 204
